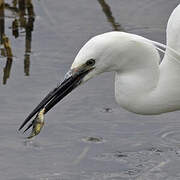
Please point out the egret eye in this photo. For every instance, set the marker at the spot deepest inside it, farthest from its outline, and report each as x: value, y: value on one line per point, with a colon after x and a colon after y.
x: 90, y: 62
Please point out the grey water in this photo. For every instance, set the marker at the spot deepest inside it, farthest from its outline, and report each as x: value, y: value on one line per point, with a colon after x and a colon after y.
x: 87, y: 136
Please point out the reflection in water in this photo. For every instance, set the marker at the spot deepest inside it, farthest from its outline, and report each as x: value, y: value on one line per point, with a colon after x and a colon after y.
x: 15, y: 30
x: 107, y: 11
x: 29, y: 29
x: 7, y: 70
x: 5, y: 43
x: 24, y: 19
x: 1, y: 21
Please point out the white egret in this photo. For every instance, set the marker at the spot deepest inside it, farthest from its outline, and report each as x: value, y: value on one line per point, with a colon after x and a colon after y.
x: 143, y: 85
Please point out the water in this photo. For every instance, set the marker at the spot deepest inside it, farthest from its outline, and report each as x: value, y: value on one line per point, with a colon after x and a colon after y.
x: 87, y: 136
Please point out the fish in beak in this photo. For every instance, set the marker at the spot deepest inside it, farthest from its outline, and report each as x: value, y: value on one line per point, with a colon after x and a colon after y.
x: 37, y: 124
x: 72, y: 79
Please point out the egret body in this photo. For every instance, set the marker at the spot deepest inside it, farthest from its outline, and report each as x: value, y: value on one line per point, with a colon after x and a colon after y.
x: 143, y: 85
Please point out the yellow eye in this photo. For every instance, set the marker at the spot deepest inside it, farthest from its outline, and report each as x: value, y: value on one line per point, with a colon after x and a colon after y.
x: 90, y: 62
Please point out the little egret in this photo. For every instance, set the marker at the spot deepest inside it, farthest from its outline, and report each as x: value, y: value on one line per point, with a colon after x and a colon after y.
x: 143, y: 85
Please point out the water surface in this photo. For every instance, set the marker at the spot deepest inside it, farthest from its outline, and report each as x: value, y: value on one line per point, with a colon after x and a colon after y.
x: 87, y: 136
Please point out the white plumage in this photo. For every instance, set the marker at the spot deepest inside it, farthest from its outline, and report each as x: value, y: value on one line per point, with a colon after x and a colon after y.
x: 142, y: 85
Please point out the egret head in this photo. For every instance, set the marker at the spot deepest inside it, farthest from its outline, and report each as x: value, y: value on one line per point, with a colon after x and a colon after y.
x: 101, y: 53
x: 98, y: 55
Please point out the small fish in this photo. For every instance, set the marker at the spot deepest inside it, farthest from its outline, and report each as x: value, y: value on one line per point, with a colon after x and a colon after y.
x: 37, y: 124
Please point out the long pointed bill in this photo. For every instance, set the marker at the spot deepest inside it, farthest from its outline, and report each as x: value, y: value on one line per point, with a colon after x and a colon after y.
x: 70, y: 82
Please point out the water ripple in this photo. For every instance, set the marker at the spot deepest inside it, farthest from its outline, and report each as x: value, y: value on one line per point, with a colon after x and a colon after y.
x: 170, y: 136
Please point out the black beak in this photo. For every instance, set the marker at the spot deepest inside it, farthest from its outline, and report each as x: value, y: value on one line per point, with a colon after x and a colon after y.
x: 71, y: 81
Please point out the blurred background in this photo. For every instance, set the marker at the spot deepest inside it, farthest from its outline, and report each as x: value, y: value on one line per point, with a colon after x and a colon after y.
x: 87, y: 136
